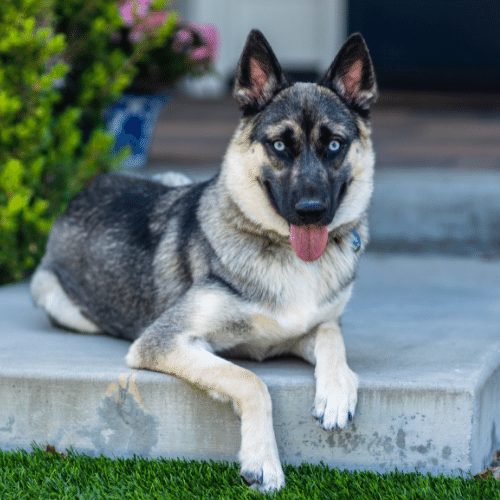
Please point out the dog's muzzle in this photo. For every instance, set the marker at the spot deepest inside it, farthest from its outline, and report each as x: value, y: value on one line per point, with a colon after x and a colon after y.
x: 310, y: 210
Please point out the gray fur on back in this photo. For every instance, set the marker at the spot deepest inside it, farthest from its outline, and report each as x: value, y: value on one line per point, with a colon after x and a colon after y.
x: 103, y: 249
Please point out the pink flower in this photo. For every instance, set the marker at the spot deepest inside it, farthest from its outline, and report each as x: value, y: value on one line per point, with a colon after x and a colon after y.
x: 153, y: 20
x: 130, y: 10
x: 149, y: 23
x: 182, y: 40
x: 210, y: 37
x: 200, y: 54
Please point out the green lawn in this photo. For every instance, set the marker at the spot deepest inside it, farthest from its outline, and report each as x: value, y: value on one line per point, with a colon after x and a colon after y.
x: 49, y: 475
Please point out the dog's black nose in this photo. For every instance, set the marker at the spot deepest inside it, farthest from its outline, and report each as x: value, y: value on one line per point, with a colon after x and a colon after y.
x: 310, y: 210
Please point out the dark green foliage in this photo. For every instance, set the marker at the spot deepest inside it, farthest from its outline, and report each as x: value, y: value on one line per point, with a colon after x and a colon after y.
x: 59, y: 70
x: 98, y: 72
x: 50, y: 475
x: 101, y: 67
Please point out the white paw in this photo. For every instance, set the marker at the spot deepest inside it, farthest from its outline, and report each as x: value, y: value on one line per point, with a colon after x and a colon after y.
x: 133, y: 357
x: 263, y: 474
x: 336, y: 398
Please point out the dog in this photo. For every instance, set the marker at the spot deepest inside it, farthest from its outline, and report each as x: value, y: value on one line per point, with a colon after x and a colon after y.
x: 258, y: 261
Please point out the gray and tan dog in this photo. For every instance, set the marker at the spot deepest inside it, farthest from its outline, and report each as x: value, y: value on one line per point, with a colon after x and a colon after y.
x: 258, y: 261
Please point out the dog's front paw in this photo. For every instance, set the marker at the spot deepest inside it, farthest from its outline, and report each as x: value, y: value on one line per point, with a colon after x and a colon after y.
x: 336, y: 398
x: 263, y: 475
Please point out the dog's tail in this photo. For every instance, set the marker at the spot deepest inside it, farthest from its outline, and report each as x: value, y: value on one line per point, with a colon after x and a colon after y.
x: 172, y: 179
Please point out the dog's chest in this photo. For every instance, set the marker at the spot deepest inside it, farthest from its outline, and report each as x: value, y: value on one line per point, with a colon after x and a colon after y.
x: 275, y: 330
x: 271, y: 330
x: 291, y: 300
x: 303, y: 300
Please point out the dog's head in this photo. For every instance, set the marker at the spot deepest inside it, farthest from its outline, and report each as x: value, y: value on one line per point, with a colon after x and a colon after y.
x: 301, y: 161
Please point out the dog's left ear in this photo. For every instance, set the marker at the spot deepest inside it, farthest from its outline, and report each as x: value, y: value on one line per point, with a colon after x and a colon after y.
x: 351, y: 74
x: 258, y: 76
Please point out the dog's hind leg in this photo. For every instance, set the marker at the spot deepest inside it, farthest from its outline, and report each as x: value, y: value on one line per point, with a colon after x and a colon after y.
x: 48, y: 294
x: 192, y: 361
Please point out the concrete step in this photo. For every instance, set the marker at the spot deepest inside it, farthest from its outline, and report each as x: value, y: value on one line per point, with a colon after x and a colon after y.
x: 423, y: 210
x: 423, y: 333
x: 442, y: 210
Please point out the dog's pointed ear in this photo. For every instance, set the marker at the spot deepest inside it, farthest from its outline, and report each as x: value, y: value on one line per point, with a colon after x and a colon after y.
x: 351, y: 74
x: 259, y: 76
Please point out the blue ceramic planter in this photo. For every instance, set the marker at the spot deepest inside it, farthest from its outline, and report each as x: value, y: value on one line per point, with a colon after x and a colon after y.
x: 132, y: 120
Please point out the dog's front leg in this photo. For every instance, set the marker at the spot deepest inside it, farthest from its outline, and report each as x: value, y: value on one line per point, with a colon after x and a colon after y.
x: 336, y: 383
x: 190, y: 360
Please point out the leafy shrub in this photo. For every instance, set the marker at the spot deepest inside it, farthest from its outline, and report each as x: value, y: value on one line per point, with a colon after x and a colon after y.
x: 59, y: 69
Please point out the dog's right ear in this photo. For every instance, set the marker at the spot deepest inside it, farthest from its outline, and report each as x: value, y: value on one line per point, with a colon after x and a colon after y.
x: 258, y: 76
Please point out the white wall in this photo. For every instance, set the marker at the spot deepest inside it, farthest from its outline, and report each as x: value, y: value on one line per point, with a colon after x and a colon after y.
x: 305, y: 34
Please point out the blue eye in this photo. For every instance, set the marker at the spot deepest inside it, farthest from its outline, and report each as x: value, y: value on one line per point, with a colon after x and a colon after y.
x: 334, y: 146
x: 279, y: 145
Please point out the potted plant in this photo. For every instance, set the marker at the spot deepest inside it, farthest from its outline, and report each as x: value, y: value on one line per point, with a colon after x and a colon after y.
x: 187, y: 49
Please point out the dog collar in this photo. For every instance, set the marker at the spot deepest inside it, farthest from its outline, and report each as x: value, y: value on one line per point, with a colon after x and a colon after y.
x: 355, y: 241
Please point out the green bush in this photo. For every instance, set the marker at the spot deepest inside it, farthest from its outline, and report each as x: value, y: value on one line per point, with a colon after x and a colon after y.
x: 59, y: 69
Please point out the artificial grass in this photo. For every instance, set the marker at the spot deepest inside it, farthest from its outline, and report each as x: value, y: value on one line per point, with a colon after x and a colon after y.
x: 52, y: 475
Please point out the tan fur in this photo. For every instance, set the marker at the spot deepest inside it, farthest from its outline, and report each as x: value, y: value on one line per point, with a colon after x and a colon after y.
x: 337, y: 129
x: 226, y: 381
x: 336, y: 383
x: 240, y: 173
x: 362, y: 159
x: 277, y: 130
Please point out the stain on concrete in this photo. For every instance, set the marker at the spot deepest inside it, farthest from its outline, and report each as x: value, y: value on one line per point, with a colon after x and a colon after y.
x: 347, y: 440
x: 379, y: 443
x: 387, y: 444
x: 123, y: 424
x: 130, y: 385
x: 331, y: 441
x: 111, y: 389
x: 494, y: 439
x: 446, y: 452
x: 401, y: 439
x: 9, y: 425
x: 421, y: 448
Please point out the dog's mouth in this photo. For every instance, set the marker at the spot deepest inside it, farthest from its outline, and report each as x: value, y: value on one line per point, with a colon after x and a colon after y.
x: 308, y: 242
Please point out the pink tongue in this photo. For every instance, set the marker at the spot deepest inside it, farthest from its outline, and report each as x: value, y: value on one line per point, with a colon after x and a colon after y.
x: 308, y: 242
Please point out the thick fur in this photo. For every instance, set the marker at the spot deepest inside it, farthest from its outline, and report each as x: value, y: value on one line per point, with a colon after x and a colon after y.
x: 191, y: 271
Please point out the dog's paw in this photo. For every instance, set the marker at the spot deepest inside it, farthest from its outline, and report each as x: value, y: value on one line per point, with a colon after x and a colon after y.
x: 133, y: 357
x: 264, y: 476
x: 336, y: 399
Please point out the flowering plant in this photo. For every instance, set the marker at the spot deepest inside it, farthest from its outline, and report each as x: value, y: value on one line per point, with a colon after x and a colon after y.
x: 188, y: 49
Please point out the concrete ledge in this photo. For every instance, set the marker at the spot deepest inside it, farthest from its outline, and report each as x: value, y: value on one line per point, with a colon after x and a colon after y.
x: 422, y: 333
x: 445, y: 210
